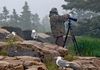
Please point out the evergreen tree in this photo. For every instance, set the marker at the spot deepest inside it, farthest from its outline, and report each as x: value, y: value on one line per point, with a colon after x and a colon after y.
x: 36, y: 22
x: 15, y: 16
x: 1, y: 18
x: 46, y: 24
x: 14, y: 19
x: 5, y: 15
x: 95, y: 27
x: 84, y: 8
x: 92, y: 5
x: 89, y: 22
x: 25, y: 18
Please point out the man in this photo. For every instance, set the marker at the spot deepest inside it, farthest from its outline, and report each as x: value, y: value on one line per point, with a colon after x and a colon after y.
x: 57, y: 26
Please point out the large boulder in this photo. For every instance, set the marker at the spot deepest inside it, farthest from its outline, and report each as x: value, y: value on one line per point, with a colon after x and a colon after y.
x: 15, y: 29
x: 86, y: 63
x: 42, y: 37
x: 3, y: 34
x: 47, y: 48
x: 21, y: 63
x: 27, y: 34
x: 35, y: 49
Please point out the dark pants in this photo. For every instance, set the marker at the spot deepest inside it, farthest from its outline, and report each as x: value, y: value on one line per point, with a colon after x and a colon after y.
x: 59, y: 41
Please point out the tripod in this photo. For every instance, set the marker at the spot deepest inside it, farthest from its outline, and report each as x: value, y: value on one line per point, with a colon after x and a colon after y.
x: 73, y: 37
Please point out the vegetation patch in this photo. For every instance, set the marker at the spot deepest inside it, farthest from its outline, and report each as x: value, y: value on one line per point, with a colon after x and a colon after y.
x: 87, y: 46
x: 50, y: 63
x: 3, y: 53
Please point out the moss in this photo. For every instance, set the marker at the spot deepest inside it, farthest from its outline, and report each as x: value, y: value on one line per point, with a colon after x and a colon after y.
x: 50, y: 63
x: 51, y: 66
x: 3, y: 53
x: 70, y: 57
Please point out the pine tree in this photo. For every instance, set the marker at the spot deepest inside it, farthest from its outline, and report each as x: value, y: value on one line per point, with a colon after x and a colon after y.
x: 15, y: 16
x: 86, y: 26
x: 93, y: 5
x: 36, y: 22
x: 5, y: 15
x: 14, y: 19
x: 1, y: 17
x: 25, y: 18
x: 45, y: 21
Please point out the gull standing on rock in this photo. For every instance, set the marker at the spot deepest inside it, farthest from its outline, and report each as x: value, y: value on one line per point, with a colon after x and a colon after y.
x: 63, y: 64
x: 11, y: 35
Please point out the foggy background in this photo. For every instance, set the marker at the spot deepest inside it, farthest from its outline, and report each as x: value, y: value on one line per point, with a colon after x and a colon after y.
x: 41, y: 7
x: 34, y: 14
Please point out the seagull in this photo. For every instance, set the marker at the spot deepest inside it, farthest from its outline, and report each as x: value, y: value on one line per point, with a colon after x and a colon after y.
x: 63, y: 64
x: 11, y: 35
x: 34, y: 34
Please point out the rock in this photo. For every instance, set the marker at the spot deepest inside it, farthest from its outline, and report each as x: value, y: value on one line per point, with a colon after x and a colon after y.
x: 35, y: 68
x: 45, y: 38
x: 46, y: 48
x: 19, y: 51
x: 27, y: 34
x: 3, y: 34
x: 18, y: 38
x: 86, y: 63
x: 21, y: 63
x: 19, y: 67
x: 5, y: 65
x: 15, y: 29
x: 4, y: 31
x: 97, y: 63
x: 35, y: 49
x: 54, y: 50
x: 2, y: 57
x: 28, y: 58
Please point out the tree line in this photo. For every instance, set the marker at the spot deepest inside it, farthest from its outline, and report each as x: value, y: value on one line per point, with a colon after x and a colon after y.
x: 25, y: 21
x: 88, y: 13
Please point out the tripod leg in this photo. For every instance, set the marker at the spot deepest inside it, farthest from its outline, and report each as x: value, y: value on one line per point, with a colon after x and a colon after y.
x: 66, y: 37
x: 75, y: 42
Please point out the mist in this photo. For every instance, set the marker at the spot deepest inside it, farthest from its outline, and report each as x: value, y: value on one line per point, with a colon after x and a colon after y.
x: 42, y: 7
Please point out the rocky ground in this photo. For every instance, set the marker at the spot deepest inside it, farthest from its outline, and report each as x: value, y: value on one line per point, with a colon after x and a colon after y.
x: 21, y: 63
x: 30, y: 55
x: 86, y: 63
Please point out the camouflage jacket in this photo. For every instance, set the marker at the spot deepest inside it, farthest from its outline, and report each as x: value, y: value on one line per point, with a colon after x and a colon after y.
x: 57, y: 24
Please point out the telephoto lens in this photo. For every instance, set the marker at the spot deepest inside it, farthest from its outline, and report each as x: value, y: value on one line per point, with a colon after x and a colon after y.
x: 74, y: 19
